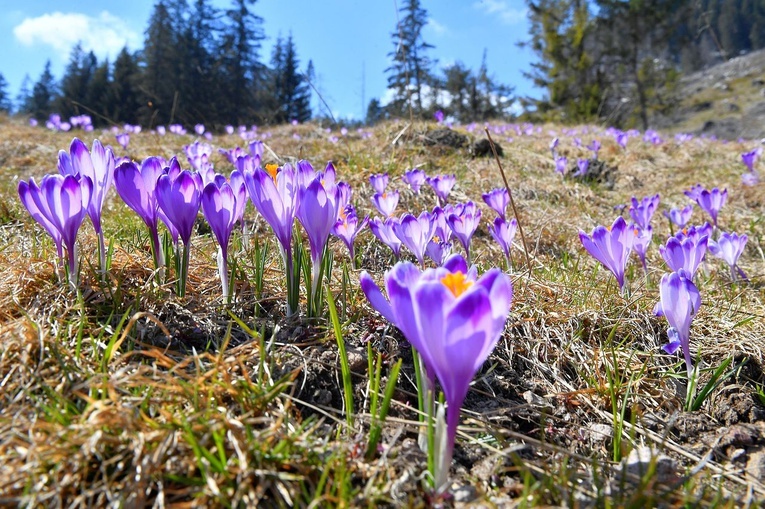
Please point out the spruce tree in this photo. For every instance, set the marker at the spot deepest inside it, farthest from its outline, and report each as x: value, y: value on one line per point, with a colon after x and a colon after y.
x: 125, y: 94
x: 43, y: 93
x: 411, y: 68
x: 76, y: 82
x: 159, y: 63
x: 98, y: 97
x: 240, y: 71
x: 5, y: 100
x: 290, y: 91
x: 24, y: 97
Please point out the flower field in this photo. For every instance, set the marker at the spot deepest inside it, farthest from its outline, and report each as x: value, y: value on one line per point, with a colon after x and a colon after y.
x: 302, y: 316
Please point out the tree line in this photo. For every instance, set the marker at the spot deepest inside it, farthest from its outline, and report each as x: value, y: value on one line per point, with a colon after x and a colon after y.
x: 199, y: 64
x: 620, y: 61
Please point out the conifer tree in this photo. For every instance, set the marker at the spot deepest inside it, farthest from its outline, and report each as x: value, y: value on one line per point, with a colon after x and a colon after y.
x: 159, y: 62
x: 290, y: 91
x: 43, y: 93
x: 411, y: 68
x: 125, y: 93
x: 24, y: 97
x: 76, y: 82
x: 98, y: 98
x: 5, y: 100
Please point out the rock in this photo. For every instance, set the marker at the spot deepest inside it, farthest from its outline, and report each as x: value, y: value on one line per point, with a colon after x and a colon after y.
x: 639, y: 461
x: 482, y: 148
x: 701, y: 106
x: 733, y: 108
x: 756, y: 465
x: 598, y: 432
x: 357, y: 359
x: 758, y: 82
x: 464, y: 494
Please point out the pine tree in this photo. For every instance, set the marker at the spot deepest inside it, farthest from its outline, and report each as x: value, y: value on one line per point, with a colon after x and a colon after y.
x: 43, y: 93
x: 75, y: 82
x: 239, y: 68
x: 291, y: 93
x: 411, y: 68
x: 24, y: 97
x: 159, y: 63
x: 125, y: 94
x: 98, y: 97
x: 5, y: 100
x: 196, y: 75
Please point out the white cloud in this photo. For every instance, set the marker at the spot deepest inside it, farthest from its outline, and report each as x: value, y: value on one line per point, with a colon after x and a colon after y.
x: 104, y: 34
x: 436, y: 27
x: 502, y: 9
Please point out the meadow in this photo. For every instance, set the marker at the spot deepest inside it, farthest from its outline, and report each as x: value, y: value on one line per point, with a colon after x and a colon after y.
x: 128, y: 387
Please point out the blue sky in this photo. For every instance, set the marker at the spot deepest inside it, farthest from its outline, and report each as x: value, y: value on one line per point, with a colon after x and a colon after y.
x: 342, y: 37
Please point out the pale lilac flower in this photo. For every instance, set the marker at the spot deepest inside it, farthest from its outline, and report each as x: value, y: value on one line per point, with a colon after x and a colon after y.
x: 621, y: 139
x: 642, y: 211
x: 583, y: 165
x: 712, y: 201
x: 611, y: 247
x: 439, y: 116
x: 694, y: 192
x: 503, y: 232
x: 379, y: 182
x: 594, y: 147
x: 415, y: 233
x: 383, y: 230
x: 680, y: 217
x: 415, y: 178
x: 750, y: 178
x: 497, y: 199
x: 123, y: 139
x: 442, y: 185
x: 680, y: 302
x: 685, y: 251
x: 561, y: 164
x: 386, y: 202
x: 729, y: 248
x: 464, y: 222
x: 643, y: 238
x: 749, y: 159
x: 348, y: 227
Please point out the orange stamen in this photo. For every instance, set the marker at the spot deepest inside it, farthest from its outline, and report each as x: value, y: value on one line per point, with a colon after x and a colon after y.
x: 272, y: 170
x: 456, y: 282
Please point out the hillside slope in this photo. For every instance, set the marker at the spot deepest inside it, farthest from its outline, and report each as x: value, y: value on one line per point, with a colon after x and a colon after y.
x: 727, y: 100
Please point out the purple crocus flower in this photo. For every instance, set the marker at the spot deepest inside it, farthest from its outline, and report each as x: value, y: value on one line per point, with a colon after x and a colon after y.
x: 38, y: 208
x: 594, y: 146
x: 583, y: 165
x: 712, y: 201
x: 439, y: 116
x: 60, y: 204
x: 621, y: 139
x: 137, y: 188
x: 503, y: 232
x: 98, y: 166
x: 442, y: 185
x: 438, y: 250
x: 642, y: 241
x: 694, y: 192
x: 256, y: 148
x: 453, y: 320
x: 383, y: 230
x: 386, y: 202
x: 611, y: 247
x: 379, y: 182
x: 415, y: 233
x: 274, y: 192
x: 223, y: 205
x: 680, y: 301
x: 750, y: 178
x: 233, y: 154
x: 123, y: 139
x: 498, y: 200
x: 199, y: 129
x: 348, y: 227
x: 685, y: 251
x: 553, y: 147
x: 464, y: 222
x: 317, y: 212
x: 729, y: 248
x: 749, y: 159
x: 642, y: 211
x: 180, y: 198
x: 415, y: 178
x: 680, y: 217
x: 561, y: 164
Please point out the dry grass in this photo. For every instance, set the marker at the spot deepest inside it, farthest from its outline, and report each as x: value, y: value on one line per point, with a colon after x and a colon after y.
x: 218, y: 414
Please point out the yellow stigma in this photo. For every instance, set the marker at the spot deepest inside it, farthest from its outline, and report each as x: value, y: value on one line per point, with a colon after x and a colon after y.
x: 436, y: 239
x: 272, y: 170
x: 685, y: 231
x: 457, y: 282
